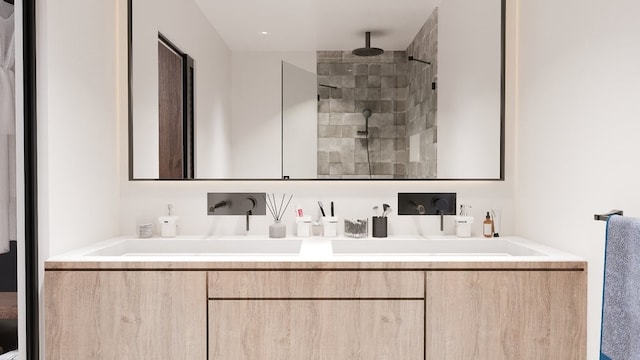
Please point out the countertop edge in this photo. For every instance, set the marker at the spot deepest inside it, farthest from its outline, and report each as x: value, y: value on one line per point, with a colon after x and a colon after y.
x: 319, y: 265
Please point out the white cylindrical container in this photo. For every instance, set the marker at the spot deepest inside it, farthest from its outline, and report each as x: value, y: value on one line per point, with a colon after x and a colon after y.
x: 463, y: 225
x: 168, y: 226
x: 303, y: 226
x: 330, y: 224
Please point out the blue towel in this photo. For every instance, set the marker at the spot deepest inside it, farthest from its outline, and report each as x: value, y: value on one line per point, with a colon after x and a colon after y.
x: 620, y: 332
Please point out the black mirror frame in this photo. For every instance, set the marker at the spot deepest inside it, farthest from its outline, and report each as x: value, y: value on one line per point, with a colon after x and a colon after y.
x: 503, y: 27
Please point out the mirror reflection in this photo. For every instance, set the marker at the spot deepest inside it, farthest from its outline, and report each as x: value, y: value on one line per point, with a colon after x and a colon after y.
x: 272, y: 109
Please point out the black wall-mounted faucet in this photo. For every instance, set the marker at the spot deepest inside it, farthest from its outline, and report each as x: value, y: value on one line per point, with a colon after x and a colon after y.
x: 427, y: 204
x: 245, y: 204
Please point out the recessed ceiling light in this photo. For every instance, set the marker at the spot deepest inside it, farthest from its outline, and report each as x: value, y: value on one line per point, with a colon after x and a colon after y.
x: 264, y: 33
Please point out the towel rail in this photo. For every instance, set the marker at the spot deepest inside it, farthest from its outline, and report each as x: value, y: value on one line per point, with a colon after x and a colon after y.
x: 605, y: 216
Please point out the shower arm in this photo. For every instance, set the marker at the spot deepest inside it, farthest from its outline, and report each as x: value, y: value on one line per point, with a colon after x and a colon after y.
x: 411, y: 58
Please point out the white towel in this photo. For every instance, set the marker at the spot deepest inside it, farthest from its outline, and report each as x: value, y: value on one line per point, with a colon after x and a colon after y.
x: 7, y: 70
x: 7, y: 126
x: 11, y: 355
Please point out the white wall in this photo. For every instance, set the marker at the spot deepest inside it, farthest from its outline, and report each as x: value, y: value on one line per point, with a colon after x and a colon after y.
x: 468, y: 120
x: 352, y: 200
x: 78, y: 85
x: 184, y: 25
x: 256, y: 110
x: 77, y: 112
x: 578, y: 144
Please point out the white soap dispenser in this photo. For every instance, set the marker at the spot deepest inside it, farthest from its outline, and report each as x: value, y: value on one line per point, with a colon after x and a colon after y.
x: 168, y: 224
x: 463, y: 222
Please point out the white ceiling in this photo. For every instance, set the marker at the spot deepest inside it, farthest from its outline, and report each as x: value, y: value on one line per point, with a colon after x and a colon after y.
x: 310, y: 25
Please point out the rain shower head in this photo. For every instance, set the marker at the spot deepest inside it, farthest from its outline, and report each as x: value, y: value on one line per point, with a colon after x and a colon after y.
x: 367, y: 50
x: 366, y: 113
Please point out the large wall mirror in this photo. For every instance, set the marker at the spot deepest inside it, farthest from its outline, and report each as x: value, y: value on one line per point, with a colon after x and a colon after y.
x: 278, y: 92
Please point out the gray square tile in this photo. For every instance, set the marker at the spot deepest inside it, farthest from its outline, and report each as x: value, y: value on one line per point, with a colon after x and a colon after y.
x: 353, y: 119
x: 399, y: 56
x: 323, y: 119
x: 373, y: 94
x: 387, y: 94
x: 374, y: 81
x: 388, y: 82
x: 399, y: 169
x: 335, y: 93
x: 324, y: 106
x: 324, y: 69
x: 323, y: 168
x: 341, y: 106
x: 361, y: 94
x: 386, y: 106
x: 388, y: 70
x: 361, y: 81
x: 362, y: 168
x: 336, y: 119
x: 375, y: 69
x: 347, y: 81
x: 324, y: 93
x: 401, y: 81
x: 361, y: 69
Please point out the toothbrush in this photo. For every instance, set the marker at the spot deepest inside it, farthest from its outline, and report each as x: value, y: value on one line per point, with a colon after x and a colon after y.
x: 387, y: 209
x: 321, y: 209
x: 377, y: 210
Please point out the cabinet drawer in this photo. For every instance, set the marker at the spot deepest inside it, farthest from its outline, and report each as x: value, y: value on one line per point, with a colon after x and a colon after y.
x: 316, y: 284
x: 316, y: 329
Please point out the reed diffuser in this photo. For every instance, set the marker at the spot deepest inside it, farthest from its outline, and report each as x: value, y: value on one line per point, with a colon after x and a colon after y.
x: 278, y: 229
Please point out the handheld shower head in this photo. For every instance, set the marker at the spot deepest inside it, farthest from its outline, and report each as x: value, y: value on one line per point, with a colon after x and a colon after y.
x: 367, y: 114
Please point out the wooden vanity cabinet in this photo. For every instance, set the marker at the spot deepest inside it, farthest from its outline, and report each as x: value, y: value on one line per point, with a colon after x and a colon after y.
x: 125, y: 315
x: 237, y: 314
x: 316, y: 315
x: 510, y: 314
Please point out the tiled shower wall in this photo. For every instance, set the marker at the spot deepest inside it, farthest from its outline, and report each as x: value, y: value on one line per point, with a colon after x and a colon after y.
x: 402, y: 137
x: 421, y: 102
x: 378, y: 83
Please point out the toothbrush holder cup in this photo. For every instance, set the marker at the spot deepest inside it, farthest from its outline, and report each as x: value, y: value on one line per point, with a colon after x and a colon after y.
x: 379, y: 226
x: 330, y: 225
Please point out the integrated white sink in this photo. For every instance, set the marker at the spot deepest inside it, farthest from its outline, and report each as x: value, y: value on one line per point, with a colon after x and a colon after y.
x: 448, y: 247
x: 183, y: 247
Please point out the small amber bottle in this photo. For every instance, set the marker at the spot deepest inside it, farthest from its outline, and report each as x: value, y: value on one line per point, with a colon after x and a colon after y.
x: 487, y: 226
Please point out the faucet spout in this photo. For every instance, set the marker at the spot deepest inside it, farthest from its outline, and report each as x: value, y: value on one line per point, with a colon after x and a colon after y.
x: 249, y: 212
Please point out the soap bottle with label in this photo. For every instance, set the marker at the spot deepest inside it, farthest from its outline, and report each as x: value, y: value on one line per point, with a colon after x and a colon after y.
x: 487, y: 226
x: 168, y: 224
x: 463, y: 222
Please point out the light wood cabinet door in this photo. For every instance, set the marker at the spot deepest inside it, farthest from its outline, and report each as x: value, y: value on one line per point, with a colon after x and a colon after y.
x: 331, y: 329
x: 506, y: 315
x: 125, y: 315
x: 316, y: 284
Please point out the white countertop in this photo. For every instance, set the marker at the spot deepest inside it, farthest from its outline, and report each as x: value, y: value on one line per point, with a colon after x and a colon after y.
x: 314, y: 250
